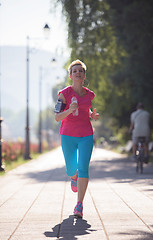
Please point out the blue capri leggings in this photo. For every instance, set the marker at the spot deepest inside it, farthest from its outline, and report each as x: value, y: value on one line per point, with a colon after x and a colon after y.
x: 77, y: 153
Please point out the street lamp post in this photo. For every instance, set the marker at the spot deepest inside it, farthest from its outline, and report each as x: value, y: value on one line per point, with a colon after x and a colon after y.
x: 27, y: 129
x: 1, y: 119
x: 27, y: 136
x: 40, y: 112
x: 41, y: 75
x: 1, y: 140
x: 47, y: 127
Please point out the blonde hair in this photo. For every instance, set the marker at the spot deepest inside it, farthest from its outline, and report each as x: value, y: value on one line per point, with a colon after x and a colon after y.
x: 76, y: 62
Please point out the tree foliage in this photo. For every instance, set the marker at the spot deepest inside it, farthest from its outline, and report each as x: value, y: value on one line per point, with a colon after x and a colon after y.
x: 115, y: 40
x: 133, y: 21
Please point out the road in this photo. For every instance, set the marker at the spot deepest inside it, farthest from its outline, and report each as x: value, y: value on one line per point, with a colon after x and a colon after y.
x: 36, y: 201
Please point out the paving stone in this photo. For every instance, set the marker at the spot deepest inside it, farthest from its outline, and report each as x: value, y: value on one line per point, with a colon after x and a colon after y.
x: 36, y: 201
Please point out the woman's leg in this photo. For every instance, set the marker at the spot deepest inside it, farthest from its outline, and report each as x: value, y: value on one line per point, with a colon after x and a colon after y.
x: 85, y: 147
x: 69, y: 148
x: 82, y: 187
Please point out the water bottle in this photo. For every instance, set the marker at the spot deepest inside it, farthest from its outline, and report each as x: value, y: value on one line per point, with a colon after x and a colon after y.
x: 75, y: 112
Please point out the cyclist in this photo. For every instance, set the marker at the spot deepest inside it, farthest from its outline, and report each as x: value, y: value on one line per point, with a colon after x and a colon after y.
x: 140, y: 128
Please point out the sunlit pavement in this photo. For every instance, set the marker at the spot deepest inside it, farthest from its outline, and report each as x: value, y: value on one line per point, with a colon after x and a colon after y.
x: 36, y: 201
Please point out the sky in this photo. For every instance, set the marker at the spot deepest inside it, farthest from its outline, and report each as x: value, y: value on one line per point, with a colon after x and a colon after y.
x: 19, y: 19
x: 22, y: 18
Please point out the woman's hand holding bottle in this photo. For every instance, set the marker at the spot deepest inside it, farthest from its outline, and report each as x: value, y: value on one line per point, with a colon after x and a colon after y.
x: 74, y: 106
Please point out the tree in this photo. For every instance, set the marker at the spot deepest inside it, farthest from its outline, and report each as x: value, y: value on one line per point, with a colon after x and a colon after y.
x: 115, y: 40
x: 132, y: 21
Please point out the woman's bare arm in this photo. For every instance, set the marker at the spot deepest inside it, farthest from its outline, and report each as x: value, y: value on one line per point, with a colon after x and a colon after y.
x: 60, y: 116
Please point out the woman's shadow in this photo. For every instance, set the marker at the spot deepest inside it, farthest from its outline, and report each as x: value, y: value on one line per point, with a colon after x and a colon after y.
x: 70, y: 228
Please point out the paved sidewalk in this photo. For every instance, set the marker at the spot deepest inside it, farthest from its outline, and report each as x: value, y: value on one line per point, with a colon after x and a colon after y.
x: 36, y: 202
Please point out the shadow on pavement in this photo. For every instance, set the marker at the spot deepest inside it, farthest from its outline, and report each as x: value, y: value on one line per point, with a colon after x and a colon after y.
x: 56, y: 174
x: 140, y: 235
x: 122, y: 170
x: 70, y: 228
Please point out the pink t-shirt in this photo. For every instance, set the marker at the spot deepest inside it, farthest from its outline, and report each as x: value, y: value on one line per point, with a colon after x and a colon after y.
x: 77, y: 126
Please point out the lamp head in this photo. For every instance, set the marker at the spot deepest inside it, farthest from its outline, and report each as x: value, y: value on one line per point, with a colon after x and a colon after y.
x: 46, y: 29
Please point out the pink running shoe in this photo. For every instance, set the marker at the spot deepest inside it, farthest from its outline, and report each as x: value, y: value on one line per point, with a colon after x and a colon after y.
x: 78, y: 210
x: 74, y: 184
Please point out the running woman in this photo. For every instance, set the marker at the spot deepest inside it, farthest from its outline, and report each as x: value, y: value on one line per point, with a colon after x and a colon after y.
x: 73, y: 109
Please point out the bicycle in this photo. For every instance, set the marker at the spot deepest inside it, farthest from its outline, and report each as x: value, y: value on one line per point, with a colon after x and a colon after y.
x: 140, y: 158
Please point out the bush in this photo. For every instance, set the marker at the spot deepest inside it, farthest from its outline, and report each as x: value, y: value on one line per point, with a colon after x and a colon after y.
x: 11, y: 151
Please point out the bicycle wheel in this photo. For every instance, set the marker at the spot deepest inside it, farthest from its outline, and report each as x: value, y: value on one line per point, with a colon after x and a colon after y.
x: 141, y: 165
x: 141, y: 160
x: 137, y: 164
